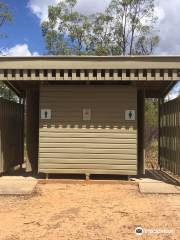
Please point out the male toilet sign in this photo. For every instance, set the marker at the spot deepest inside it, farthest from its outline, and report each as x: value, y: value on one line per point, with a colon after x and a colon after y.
x: 45, y: 114
x: 130, y: 115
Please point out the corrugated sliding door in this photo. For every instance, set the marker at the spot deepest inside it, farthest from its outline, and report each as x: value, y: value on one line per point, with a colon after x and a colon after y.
x: 83, y: 129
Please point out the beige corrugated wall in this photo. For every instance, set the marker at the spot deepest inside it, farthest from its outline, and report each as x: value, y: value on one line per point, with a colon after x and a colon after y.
x: 105, y: 145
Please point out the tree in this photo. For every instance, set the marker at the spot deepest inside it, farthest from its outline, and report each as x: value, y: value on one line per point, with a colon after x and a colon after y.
x: 151, y: 120
x: 134, y: 25
x: 5, y: 16
x: 66, y: 30
x: 126, y: 27
x: 151, y: 132
x: 7, y: 93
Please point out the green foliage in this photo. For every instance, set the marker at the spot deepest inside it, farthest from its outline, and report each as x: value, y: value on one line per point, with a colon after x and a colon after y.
x: 151, y: 121
x: 134, y: 25
x: 151, y: 155
x: 125, y: 27
x: 66, y: 30
x: 5, y: 16
x: 7, y: 93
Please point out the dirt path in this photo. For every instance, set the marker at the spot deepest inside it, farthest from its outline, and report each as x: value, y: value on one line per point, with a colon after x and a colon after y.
x: 88, y: 211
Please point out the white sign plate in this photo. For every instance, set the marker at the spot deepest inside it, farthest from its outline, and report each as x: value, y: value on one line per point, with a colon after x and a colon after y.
x: 130, y: 115
x: 45, y: 113
x: 86, y: 114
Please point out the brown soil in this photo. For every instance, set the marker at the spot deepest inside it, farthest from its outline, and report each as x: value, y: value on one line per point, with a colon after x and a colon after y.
x: 88, y: 211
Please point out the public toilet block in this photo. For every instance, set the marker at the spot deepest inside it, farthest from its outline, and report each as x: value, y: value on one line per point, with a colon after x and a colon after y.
x: 85, y: 115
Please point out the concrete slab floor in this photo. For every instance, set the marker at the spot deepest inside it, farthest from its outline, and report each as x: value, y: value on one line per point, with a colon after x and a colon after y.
x: 145, y: 180
x: 17, y: 185
x: 158, y: 187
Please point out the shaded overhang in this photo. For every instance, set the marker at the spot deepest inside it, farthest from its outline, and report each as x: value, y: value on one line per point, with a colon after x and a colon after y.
x: 156, y: 75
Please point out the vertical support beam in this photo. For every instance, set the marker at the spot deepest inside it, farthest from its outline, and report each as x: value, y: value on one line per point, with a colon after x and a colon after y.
x: 1, y: 153
x: 141, y: 149
x: 160, y: 102
x: 21, y: 101
x: 32, y: 129
x: 87, y: 176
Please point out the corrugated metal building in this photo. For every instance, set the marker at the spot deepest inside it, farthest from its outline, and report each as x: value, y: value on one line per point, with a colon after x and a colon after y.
x: 86, y: 114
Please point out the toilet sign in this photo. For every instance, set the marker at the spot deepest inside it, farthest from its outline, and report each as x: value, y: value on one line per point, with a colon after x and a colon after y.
x: 45, y: 114
x: 130, y: 115
x: 86, y: 114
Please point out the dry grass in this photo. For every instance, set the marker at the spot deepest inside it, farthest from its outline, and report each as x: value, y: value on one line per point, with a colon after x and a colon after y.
x: 151, y: 155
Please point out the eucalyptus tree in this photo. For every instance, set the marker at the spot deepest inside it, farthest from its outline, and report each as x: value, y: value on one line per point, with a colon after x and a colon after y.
x: 133, y: 25
x: 5, y: 16
x: 126, y: 27
x: 66, y: 30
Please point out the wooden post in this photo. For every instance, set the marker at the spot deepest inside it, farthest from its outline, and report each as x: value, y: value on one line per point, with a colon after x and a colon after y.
x: 141, y: 150
x: 87, y: 176
x: 21, y: 101
x: 32, y: 129
x: 1, y: 157
x: 160, y: 102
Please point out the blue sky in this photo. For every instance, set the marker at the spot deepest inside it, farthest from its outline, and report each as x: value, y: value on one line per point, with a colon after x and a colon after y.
x: 24, y: 29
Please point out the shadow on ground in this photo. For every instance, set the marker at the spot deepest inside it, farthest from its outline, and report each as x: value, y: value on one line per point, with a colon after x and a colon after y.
x: 149, y: 174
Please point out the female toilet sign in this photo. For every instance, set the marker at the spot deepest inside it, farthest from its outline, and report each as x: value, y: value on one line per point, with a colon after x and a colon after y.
x: 45, y: 114
x: 130, y: 115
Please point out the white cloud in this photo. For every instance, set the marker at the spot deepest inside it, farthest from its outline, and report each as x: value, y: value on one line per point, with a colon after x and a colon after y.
x: 167, y: 11
x: 168, y: 25
x: 92, y: 6
x: 19, y: 50
x: 40, y: 7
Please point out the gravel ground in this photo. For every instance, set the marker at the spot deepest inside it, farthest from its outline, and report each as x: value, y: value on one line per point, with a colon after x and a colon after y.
x: 88, y: 211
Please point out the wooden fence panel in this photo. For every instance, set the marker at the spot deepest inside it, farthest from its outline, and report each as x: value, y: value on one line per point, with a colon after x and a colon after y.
x: 11, y: 134
x: 170, y: 136
x: 32, y: 129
